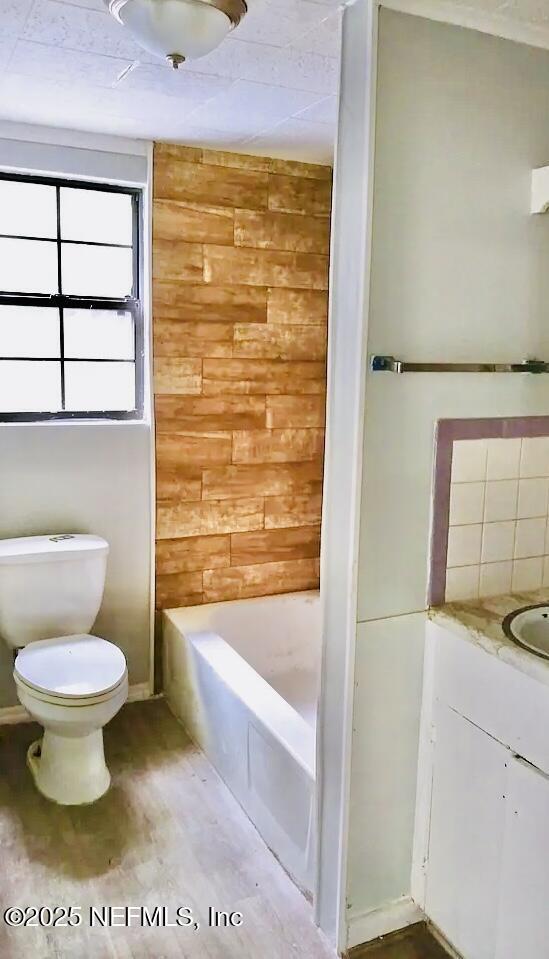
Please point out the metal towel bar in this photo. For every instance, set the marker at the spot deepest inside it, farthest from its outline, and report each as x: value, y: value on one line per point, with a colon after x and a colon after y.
x: 388, y: 364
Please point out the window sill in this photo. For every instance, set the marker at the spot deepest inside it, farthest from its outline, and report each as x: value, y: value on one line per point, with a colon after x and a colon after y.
x: 140, y: 421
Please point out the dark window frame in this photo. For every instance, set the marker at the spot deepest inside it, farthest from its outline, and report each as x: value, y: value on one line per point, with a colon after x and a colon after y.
x: 132, y: 304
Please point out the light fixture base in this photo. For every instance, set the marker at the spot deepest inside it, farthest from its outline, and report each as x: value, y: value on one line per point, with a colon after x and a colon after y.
x: 175, y: 60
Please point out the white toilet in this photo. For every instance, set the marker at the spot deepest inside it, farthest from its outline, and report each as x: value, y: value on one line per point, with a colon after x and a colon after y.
x: 71, y: 683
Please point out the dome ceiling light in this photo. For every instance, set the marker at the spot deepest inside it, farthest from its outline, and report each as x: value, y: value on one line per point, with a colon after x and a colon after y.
x: 178, y: 30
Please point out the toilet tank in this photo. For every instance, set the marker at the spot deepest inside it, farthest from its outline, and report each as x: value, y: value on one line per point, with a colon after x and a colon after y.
x: 50, y: 586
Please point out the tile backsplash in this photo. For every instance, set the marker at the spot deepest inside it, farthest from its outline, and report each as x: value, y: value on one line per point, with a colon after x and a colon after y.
x: 491, y: 510
x: 498, y: 534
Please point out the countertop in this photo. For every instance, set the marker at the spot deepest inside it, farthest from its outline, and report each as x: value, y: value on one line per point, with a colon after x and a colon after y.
x: 479, y: 622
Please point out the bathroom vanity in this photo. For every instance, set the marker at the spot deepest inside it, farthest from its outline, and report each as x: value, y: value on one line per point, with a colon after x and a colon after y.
x: 482, y: 823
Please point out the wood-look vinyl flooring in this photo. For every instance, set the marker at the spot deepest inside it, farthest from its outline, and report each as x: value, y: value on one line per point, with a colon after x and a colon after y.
x: 416, y: 942
x: 168, y: 833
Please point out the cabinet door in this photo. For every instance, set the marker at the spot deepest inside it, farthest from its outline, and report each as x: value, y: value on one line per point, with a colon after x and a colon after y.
x: 466, y: 834
x: 523, y: 926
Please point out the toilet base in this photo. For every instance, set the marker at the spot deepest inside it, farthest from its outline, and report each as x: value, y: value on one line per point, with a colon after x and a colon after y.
x: 70, y: 771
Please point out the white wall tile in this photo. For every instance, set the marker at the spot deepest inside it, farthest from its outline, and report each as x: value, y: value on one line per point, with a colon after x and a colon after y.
x: 500, y: 501
x: 498, y: 541
x: 530, y: 538
x: 527, y: 574
x: 464, y: 545
x: 511, y: 478
x: 466, y: 503
x: 532, y: 497
x: 535, y: 456
x: 503, y: 459
x: 495, y: 578
x: 468, y: 460
x: 462, y: 583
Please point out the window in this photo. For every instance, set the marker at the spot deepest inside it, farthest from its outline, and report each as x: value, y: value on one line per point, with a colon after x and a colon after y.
x: 71, y: 326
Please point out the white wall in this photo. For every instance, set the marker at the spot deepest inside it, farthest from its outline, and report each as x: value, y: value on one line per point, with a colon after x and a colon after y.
x: 89, y: 477
x: 459, y: 269
x: 458, y: 272
x: 388, y: 680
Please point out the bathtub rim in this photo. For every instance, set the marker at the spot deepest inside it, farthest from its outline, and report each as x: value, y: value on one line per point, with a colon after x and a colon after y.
x: 271, y: 710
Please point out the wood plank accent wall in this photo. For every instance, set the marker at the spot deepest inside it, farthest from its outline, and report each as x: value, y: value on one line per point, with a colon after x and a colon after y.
x: 240, y: 278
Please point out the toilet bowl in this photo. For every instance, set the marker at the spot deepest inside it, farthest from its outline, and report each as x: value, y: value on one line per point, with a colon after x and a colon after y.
x: 70, y: 681
x: 72, y: 686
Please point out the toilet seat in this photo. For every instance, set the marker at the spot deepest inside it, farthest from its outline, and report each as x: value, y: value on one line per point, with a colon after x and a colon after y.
x: 78, y: 670
x: 71, y: 703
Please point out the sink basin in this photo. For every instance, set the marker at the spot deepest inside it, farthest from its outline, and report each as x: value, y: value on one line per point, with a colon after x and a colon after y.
x: 529, y: 627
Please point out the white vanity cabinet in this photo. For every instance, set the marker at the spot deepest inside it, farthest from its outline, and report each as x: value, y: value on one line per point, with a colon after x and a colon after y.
x: 467, y: 826
x: 486, y: 819
x: 523, y: 914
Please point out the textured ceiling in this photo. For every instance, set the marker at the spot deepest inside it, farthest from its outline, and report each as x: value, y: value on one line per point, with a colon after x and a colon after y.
x: 269, y: 88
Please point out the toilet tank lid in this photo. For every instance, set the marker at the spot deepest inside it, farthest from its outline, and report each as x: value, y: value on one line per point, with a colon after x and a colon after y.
x: 52, y: 548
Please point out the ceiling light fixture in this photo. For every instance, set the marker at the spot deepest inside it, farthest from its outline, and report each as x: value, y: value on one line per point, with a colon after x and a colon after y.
x: 178, y: 29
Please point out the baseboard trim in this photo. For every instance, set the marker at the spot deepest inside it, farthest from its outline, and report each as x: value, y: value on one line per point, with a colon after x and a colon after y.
x: 443, y: 941
x: 379, y: 922
x: 138, y: 692
x: 13, y: 715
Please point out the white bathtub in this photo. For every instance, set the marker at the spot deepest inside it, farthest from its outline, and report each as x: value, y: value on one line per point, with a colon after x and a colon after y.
x: 243, y: 678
